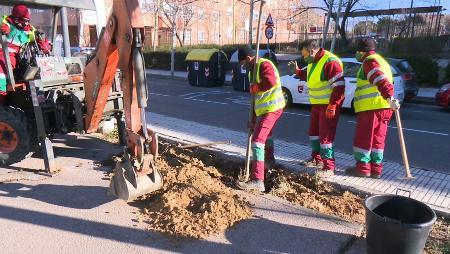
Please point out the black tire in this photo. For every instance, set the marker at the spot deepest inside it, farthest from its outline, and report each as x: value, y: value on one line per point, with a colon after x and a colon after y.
x: 287, y: 97
x: 17, y: 131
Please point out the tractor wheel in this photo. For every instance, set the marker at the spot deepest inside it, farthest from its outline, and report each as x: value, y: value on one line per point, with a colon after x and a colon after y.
x: 15, y: 138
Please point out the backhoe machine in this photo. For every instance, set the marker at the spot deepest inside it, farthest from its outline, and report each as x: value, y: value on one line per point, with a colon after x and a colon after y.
x: 62, y: 94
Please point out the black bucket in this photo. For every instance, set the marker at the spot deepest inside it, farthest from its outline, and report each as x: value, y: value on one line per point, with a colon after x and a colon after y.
x: 397, y: 224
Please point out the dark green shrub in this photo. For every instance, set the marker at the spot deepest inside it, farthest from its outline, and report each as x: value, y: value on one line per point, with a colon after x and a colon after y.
x: 447, y: 74
x: 426, y: 69
x: 161, y: 60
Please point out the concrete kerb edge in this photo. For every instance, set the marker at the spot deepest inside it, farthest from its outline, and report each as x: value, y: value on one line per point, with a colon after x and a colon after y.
x: 440, y: 211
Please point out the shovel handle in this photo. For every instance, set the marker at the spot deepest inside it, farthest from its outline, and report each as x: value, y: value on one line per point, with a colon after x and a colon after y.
x: 402, y: 144
x: 246, y: 174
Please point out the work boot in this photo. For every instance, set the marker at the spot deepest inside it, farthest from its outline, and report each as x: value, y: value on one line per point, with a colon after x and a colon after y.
x: 324, y: 173
x: 375, y: 176
x: 312, y: 163
x: 352, y: 171
x: 270, y: 163
x: 257, y: 185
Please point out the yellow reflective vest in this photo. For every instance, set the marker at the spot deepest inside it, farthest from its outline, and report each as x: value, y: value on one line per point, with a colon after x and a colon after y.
x: 270, y: 100
x: 367, y: 96
x: 320, y: 90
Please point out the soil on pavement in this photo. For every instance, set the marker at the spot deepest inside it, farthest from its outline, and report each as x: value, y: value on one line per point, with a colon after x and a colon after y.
x: 198, y: 198
x: 194, y: 202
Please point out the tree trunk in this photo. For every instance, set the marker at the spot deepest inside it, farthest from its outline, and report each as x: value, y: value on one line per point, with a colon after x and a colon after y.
x: 181, y: 41
x: 174, y: 36
x: 155, y: 36
x: 342, y: 32
x: 250, y: 24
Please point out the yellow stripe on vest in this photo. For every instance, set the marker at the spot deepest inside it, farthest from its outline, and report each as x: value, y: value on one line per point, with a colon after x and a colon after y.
x: 272, y: 99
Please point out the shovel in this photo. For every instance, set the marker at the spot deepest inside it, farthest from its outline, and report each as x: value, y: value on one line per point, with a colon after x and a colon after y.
x: 402, y: 144
x: 245, y: 176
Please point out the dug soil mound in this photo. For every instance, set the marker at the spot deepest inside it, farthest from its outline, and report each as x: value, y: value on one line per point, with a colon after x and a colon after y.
x: 194, y: 201
x: 311, y: 192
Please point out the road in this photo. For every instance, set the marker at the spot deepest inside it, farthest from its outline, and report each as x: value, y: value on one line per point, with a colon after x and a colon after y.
x: 426, y: 127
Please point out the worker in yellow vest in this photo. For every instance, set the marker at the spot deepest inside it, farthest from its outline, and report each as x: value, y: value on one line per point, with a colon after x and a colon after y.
x: 269, y: 104
x: 326, y: 86
x: 373, y: 103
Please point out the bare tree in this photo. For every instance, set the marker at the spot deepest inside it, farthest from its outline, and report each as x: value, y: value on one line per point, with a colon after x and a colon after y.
x: 153, y: 7
x: 349, y: 6
x: 171, y: 10
x: 187, y: 15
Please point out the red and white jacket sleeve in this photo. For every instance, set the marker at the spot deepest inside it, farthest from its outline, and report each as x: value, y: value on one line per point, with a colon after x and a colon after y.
x: 335, y: 76
x: 376, y: 77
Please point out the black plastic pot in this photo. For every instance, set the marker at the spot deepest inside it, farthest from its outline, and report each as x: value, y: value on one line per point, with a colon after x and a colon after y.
x: 397, y: 224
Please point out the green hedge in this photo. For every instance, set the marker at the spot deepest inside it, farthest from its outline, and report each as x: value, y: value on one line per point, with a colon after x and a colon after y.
x: 161, y: 60
x: 431, y: 46
x: 447, y: 74
x: 427, y: 70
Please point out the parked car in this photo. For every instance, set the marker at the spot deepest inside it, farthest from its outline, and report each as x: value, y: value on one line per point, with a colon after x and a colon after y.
x: 408, y: 75
x: 443, y: 96
x: 296, y: 90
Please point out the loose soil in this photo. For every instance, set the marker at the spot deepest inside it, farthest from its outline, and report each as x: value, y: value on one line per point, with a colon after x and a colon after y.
x: 439, y: 240
x: 198, y: 199
x: 194, y: 201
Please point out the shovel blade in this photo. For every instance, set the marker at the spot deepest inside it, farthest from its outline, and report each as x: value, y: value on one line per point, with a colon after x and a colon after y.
x: 128, y: 186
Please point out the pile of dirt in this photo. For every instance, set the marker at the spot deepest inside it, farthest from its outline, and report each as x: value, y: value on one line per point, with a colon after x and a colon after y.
x: 311, y: 192
x: 194, y: 201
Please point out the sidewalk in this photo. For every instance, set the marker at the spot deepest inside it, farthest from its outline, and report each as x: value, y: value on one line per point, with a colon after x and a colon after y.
x: 72, y: 213
x: 429, y: 187
x: 178, y: 74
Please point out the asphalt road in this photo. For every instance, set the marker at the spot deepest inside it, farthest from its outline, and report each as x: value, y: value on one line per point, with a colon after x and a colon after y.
x: 426, y: 127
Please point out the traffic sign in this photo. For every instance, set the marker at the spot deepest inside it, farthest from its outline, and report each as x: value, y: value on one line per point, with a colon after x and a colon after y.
x: 269, y: 20
x: 269, y: 32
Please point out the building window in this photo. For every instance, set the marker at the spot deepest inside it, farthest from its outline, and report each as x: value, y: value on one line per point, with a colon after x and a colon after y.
x: 201, y: 36
x: 229, y: 32
x: 242, y: 34
x: 216, y: 37
x: 201, y: 15
x: 230, y: 11
x: 187, y: 37
x: 255, y: 15
x: 215, y: 16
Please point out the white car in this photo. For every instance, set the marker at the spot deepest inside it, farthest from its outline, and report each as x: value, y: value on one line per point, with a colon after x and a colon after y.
x: 296, y: 90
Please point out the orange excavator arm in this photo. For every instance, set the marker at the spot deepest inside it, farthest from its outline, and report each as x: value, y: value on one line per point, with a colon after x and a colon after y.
x: 120, y: 48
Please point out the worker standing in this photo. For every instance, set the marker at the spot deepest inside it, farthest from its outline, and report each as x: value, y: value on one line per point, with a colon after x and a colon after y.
x: 373, y: 103
x: 326, y: 85
x: 269, y: 104
x: 19, y: 32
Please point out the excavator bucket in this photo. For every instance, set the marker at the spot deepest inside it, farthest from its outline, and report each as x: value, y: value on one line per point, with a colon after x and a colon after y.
x: 128, y: 185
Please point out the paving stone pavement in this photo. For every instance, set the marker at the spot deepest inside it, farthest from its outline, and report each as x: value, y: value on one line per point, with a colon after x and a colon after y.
x: 432, y: 188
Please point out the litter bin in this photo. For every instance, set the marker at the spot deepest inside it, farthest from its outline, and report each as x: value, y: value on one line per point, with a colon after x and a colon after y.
x: 206, y: 67
x: 397, y: 224
x: 239, y: 79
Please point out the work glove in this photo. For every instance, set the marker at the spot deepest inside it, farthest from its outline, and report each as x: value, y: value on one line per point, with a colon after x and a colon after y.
x: 394, y: 103
x: 254, y: 88
x: 4, y: 29
x: 293, y: 67
x: 330, y: 113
